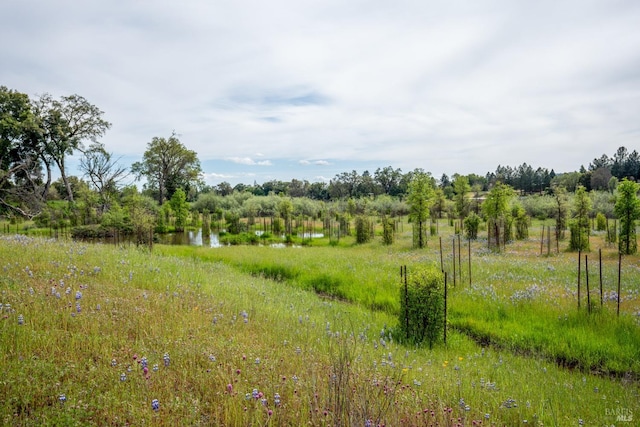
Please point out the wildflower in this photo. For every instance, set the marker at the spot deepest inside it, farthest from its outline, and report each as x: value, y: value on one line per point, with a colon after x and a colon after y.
x: 230, y: 388
x: 155, y: 405
x: 212, y: 358
x: 254, y: 394
x: 166, y: 359
x: 257, y: 361
x: 20, y: 319
x: 155, y: 367
x: 123, y: 377
x: 78, y: 308
x: 78, y: 295
x: 62, y: 398
x: 114, y: 362
x: 276, y: 399
x: 270, y: 412
x: 143, y: 362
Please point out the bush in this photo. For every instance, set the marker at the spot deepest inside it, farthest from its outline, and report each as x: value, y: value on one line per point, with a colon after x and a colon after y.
x: 422, y: 307
x: 579, y: 240
x: 471, y: 224
x: 363, y: 229
x: 388, y: 229
x: 601, y: 222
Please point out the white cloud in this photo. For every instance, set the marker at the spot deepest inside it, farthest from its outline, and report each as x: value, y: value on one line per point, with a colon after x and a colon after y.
x: 249, y: 161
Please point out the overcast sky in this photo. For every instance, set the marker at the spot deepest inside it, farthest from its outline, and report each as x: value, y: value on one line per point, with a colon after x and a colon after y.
x: 284, y: 89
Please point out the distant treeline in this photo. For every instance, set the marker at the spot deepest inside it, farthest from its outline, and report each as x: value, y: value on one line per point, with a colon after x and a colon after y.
x: 602, y: 174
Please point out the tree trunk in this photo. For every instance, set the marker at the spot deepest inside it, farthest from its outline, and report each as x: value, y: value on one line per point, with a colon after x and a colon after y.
x: 63, y: 175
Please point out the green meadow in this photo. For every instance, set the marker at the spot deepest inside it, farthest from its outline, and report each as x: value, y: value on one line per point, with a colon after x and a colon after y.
x: 97, y: 334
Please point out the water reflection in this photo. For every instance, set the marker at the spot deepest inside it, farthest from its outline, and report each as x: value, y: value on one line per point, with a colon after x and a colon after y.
x: 191, y: 238
x: 196, y: 238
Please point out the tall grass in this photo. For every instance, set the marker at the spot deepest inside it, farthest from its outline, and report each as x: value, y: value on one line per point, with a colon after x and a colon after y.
x: 533, y: 293
x: 244, y: 350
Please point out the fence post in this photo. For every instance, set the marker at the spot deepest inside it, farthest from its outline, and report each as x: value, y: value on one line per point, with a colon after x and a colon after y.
x: 445, y: 308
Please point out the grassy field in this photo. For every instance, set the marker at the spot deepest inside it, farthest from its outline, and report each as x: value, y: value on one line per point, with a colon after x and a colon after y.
x: 303, y: 336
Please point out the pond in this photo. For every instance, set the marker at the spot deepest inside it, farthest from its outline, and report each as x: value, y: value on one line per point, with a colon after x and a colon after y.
x: 190, y: 238
x: 196, y: 238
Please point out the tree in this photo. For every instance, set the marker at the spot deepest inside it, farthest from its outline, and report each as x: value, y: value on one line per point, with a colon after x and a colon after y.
x: 180, y: 208
x: 21, y: 179
x: 103, y: 172
x: 600, y: 179
x: 389, y: 179
x: 460, y: 189
x: 496, y: 208
x: 168, y: 165
x: 65, y: 124
x: 627, y: 210
x: 419, y: 199
x: 561, y: 210
x: 580, y: 226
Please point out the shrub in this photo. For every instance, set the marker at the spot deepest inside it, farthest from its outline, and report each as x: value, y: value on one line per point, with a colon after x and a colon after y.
x: 601, y: 222
x: 388, y: 229
x: 579, y: 240
x: 422, y: 307
x: 471, y: 224
x: 363, y: 229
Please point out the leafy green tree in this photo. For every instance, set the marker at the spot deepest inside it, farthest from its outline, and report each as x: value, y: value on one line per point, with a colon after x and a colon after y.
x: 22, y: 190
x: 471, y: 225
x: 65, y: 124
x: 628, y: 211
x: 141, y: 213
x: 580, y: 226
x: 389, y: 179
x: 460, y: 189
x: 419, y: 200
x: 180, y: 208
x: 496, y: 209
x: 561, y: 210
x: 285, y: 209
x: 168, y: 165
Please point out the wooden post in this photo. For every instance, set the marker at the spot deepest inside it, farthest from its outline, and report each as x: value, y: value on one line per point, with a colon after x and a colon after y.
x: 441, y: 263
x: 541, y: 240
x: 403, y: 275
x: 548, y: 240
x: 586, y: 272
x: 579, y: 257
x: 459, y: 260
x: 619, y: 277
x: 445, y: 308
x: 469, y: 262
x: 454, y: 262
x: 600, y: 266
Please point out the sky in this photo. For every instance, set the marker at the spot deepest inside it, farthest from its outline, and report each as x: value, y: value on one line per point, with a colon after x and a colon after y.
x: 303, y: 89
